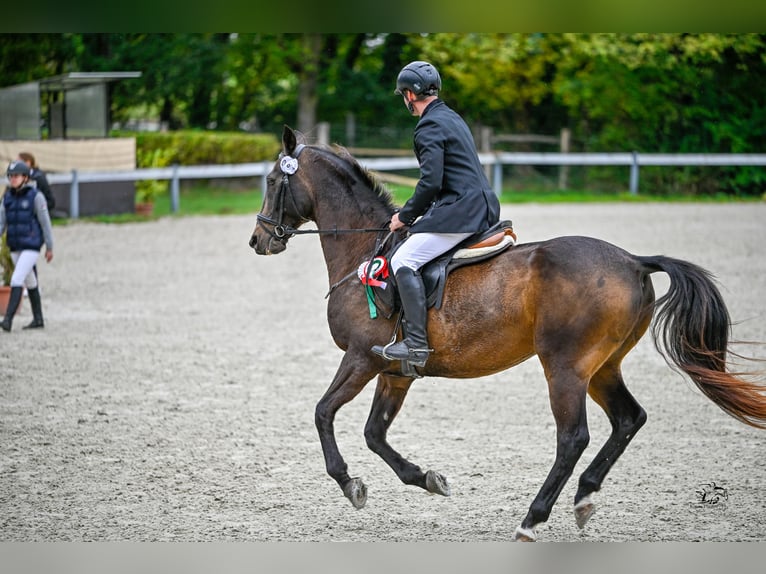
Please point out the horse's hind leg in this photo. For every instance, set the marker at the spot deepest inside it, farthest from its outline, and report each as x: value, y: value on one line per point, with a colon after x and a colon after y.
x: 567, y: 392
x: 626, y: 417
x: 389, y: 397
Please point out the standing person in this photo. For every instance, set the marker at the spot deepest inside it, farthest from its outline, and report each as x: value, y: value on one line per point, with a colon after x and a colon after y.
x: 24, y: 215
x: 39, y: 178
x: 452, y: 201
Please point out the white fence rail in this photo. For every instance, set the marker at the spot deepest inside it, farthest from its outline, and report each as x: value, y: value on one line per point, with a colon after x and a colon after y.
x: 496, y: 160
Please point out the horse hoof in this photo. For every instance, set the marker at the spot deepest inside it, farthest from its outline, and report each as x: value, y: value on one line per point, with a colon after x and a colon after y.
x: 524, y: 535
x: 583, y: 510
x: 356, y: 491
x: 437, y: 484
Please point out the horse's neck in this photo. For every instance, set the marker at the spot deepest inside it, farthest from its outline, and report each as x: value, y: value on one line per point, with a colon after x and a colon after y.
x: 345, y: 251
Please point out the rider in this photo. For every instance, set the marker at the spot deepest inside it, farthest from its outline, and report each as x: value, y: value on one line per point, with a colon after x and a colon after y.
x: 24, y: 213
x: 39, y: 178
x: 452, y: 201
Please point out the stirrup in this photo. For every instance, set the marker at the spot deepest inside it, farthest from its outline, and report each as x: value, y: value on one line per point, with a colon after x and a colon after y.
x: 416, y: 357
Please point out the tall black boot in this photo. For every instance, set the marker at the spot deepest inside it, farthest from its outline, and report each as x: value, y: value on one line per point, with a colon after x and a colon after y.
x: 37, y: 309
x: 414, y: 347
x: 10, y: 311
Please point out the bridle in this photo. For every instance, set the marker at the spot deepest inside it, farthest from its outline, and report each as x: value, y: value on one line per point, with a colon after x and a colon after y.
x: 280, y: 231
x: 288, y: 165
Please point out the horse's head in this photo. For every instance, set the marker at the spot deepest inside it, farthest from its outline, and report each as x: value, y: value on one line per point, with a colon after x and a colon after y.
x: 286, y: 203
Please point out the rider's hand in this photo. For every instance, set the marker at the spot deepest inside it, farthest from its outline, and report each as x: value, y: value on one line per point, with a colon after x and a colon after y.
x: 395, y: 223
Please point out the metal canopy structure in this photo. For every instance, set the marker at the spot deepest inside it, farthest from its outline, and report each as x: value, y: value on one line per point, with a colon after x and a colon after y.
x: 77, y: 106
x: 75, y: 80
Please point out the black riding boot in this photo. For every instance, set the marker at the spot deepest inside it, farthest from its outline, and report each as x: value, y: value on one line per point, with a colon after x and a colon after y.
x: 414, y: 347
x: 37, y: 309
x: 10, y: 311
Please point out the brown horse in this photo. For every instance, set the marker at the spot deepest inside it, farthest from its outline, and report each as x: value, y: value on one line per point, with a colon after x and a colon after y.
x: 578, y: 303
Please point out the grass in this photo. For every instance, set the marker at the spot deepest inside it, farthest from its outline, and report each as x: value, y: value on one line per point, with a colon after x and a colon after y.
x: 197, y: 200
x: 201, y: 200
x: 209, y: 200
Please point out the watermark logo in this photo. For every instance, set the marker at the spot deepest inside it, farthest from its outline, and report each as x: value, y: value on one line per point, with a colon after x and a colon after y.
x: 711, y: 494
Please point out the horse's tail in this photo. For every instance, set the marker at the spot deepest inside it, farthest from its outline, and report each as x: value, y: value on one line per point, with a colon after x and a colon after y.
x: 693, y: 323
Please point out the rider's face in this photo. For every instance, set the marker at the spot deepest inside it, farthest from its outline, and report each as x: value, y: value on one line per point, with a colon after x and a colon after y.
x: 16, y: 180
x: 408, y: 102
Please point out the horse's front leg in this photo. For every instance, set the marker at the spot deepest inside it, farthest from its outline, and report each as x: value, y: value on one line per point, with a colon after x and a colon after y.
x: 354, y: 372
x: 389, y: 397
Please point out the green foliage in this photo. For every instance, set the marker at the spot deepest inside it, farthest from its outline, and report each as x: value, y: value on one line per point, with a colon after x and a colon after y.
x: 6, y: 263
x: 188, y: 147
x: 163, y: 149
x: 148, y: 190
x: 649, y: 92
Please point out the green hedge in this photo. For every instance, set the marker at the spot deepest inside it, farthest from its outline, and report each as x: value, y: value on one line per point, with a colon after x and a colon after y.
x: 188, y: 147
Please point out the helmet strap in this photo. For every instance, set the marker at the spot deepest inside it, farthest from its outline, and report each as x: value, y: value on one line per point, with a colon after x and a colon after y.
x: 410, y: 103
x: 23, y: 183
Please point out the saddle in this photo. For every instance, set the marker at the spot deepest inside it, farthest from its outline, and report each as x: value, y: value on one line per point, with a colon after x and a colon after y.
x: 478, y: 247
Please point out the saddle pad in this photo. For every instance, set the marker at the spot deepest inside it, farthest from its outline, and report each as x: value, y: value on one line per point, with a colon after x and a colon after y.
x: 468, y: 253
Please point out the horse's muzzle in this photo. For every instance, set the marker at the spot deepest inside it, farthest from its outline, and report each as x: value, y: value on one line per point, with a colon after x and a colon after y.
x: 264, y: 244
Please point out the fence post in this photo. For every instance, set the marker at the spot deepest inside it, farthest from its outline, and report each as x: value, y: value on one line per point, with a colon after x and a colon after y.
x: 350, y: 129
x: 634, y: 174
x: 485, y: 145
x: 497, y: 179
x: 323, y: 133
x: 175, y: 193
x: 74, y: 196
x: 264, y: 179
x: 564, y: 148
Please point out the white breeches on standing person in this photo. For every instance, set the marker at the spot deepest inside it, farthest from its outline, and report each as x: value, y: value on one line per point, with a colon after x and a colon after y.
x: 24, y: 262
x: 420, y: 248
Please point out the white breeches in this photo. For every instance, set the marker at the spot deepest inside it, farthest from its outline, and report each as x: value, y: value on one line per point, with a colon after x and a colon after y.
x: 23, y: 274
x: 420, y: 248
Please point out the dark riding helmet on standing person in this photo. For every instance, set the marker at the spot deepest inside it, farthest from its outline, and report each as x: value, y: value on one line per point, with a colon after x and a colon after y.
x: 17, y: 167
x: 420, y: 78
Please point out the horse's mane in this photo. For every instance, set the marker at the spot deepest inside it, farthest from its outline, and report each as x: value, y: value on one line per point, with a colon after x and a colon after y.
x: 341, y: 154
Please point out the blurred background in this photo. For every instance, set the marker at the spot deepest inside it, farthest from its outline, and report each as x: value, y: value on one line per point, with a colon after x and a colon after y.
x: 544, y: 92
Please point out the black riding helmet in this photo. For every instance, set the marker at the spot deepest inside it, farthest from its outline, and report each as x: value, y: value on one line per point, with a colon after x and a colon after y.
x: 421, y: 78
x: 17, y: 167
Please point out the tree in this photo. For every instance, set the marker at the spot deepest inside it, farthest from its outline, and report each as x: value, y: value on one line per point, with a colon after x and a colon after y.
x: 646, y: 92
x: 702, y: 93
x: 29, y: 57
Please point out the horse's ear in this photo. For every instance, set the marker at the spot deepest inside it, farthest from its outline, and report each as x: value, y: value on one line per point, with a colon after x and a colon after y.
x: 288, y: 140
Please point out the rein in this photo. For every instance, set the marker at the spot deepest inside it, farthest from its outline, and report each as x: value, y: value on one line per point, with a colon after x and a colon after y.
x: 280, y: 231
x: 288, y: 166
x: 378, y: 248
